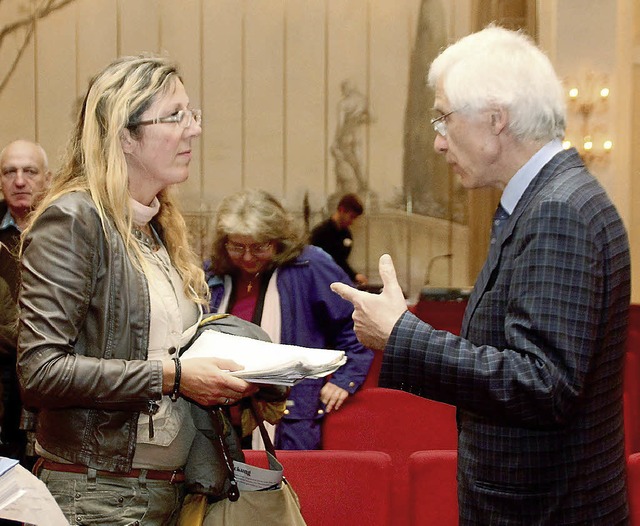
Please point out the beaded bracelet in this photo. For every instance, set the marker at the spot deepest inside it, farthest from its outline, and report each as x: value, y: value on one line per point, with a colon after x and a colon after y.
x: 175, y: 394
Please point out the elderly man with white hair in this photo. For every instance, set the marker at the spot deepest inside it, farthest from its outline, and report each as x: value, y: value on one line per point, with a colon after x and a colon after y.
x: 536, y: 373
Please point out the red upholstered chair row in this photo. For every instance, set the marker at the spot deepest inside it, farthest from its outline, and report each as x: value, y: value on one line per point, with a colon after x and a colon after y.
x: 633, y: 487
x: 397, y: 423
x: 632, y: 383
x: 631, y: 401
x: 443, y: 315
x: 433, y: 490
x: 337, y: 488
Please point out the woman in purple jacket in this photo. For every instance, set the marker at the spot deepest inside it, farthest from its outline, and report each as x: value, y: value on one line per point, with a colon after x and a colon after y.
x: 262, y: 271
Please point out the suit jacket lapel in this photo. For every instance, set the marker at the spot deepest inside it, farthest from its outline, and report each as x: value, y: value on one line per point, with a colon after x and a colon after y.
x: 556, y: 166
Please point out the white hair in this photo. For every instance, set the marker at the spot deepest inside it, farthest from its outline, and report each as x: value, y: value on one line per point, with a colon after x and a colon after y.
x: 497, y: 67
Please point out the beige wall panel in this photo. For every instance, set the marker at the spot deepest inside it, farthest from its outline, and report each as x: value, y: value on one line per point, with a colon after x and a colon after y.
x: 97, y: 39
x: 264, y: 104
x: 139, y: 26
x: 348, y: 52
x: 634, y: 228
x: 386, y: 233
x: 222, y: 75
x: 412, y: 241
x: 180, y: 40
x: 17, y: 99
x: 306, y: 136
x: 390, y: 52
x: 578, y: 53
x: 56, y: 92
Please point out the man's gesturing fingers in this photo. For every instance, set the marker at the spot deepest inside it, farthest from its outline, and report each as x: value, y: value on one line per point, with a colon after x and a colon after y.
x: 391, y: 290
x: 345, y: 291
x: 375, y: 315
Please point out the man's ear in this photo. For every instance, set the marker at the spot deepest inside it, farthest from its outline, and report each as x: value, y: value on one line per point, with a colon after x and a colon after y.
x: 499, y: 120
x: 126, y: 141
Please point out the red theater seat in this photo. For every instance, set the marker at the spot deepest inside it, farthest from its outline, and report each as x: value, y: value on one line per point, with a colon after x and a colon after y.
x: 397, y: 423
x: 631, y: 399
x: 633, y: 487
x: 433, y: 497
x: 442, y: 315
x: 337, y: 488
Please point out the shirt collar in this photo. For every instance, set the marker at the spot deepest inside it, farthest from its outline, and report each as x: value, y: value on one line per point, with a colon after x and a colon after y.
x: 523, y: 177
x: 8, y: 221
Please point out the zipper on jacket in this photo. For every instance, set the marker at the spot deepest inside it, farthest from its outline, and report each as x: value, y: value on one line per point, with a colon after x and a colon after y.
x: 152, y: 409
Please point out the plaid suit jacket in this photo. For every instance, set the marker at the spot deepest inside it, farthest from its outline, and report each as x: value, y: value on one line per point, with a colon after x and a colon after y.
x: 536, y: 374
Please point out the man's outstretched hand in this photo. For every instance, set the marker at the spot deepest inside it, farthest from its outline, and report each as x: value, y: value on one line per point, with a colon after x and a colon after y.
x: 375, y: 315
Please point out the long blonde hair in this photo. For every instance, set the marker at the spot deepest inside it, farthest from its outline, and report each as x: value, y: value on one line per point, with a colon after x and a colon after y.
x: 95, y: 163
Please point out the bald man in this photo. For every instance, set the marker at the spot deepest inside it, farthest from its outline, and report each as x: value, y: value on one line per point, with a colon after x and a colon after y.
x: 24, y: 177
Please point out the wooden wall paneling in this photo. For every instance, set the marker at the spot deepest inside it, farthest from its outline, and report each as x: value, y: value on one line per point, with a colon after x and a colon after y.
x: 482, y: 205
x: 97, y: 40
x: 390, y: 52
x: 56, y: 92
x: 17, y: 99
x: 222, y: 77
x: 180, y: 40
x: 306, y: 133
x: 263, y: 95
x: 139, y: 26
x: 460, y: 248
x: 348, y: 59
x: 636, y: 23
x: 634, y: 226
x: 413, y: 240
x: 388, y: 233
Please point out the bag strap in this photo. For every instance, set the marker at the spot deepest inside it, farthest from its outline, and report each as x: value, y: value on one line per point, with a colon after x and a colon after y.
x: 268, y: 445
x: 218, y: 417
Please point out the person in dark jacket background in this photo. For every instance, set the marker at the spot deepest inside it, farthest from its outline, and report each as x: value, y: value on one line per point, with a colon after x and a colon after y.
x: 334, y: 236
x: 24, y: 177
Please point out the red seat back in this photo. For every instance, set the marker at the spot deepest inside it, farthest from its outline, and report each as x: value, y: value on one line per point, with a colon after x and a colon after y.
x: 397, y: 423
x: 633, y: 487
x: 337, y: 488
x: 433, y: 490
x: 442, y: 315
x: 631, y: 400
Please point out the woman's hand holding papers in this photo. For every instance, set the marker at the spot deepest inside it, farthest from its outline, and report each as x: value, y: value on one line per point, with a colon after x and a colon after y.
x: 208, y: 382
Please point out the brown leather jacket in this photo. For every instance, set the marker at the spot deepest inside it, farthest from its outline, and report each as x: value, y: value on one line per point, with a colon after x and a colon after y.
x: 83, y: 338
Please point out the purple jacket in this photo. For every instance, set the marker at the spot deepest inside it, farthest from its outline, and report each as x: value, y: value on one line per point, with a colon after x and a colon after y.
x: 314, y: 316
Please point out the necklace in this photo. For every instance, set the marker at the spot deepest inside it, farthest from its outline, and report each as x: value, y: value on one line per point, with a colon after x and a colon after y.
x: 145, y: 239
x: 250, y: 284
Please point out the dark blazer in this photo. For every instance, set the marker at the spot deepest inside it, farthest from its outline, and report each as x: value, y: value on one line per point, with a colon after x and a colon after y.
x: 537, y: 371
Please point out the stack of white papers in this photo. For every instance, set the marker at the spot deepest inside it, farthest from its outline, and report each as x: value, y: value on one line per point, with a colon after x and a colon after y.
x: 24, y: 498
x: 266, y: 362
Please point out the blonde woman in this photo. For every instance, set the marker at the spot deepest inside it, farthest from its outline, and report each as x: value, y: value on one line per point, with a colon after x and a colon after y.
x: 110, y: 292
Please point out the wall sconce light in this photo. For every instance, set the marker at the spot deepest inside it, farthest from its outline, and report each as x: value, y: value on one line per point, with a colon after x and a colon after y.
x: 587, y: 104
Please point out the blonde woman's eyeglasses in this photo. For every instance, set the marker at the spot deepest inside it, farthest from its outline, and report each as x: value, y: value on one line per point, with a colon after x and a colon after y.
x: 182, y: 117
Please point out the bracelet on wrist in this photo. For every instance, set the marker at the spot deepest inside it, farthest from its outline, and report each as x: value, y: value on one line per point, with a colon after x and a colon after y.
x: 175, y: 394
